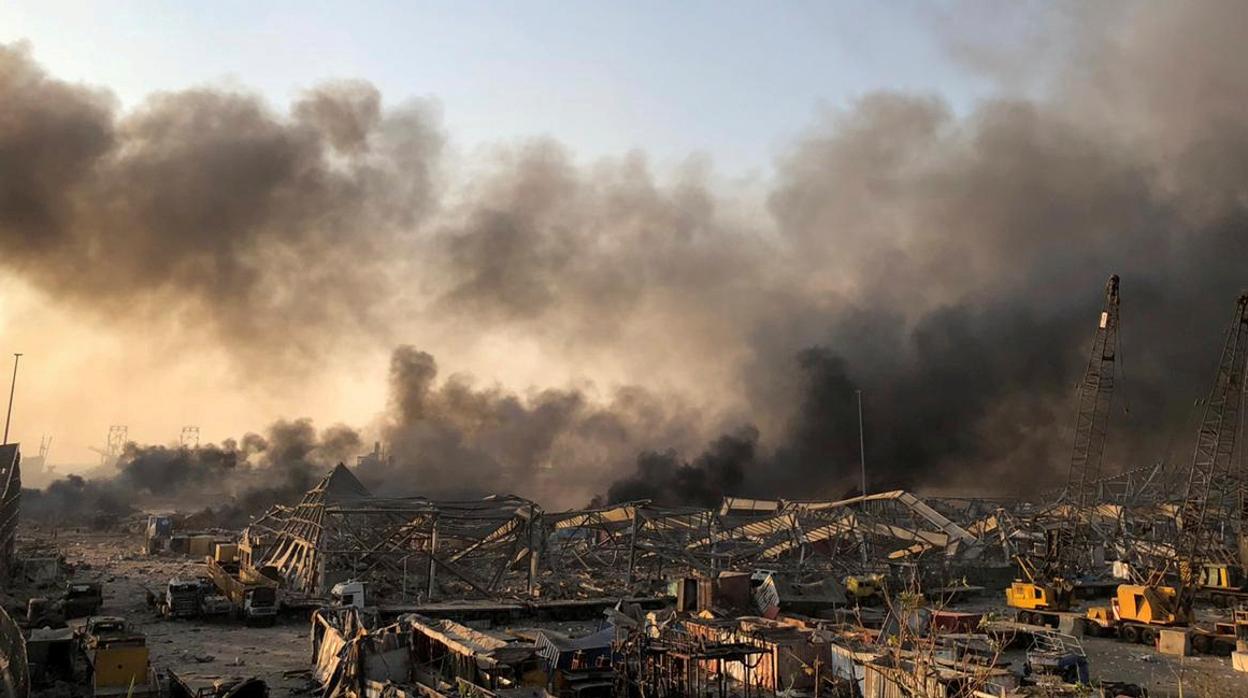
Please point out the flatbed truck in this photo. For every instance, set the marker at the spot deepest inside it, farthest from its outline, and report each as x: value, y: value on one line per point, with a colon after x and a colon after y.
x: 255, y: 602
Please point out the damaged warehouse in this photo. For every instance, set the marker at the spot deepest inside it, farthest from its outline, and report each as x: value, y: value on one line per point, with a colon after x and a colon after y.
x: 507, y: 547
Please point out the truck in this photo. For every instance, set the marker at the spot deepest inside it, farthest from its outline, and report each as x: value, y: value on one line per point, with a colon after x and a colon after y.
x: 254, y: 601
x: 117, y: 659
x: 181, y: 598
x: 348, y: 593
x: 82, y: 599
x: 213, y: 603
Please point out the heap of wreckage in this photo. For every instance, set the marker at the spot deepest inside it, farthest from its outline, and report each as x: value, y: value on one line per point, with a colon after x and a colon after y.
x: 417, y: 551
x: 754, y: 597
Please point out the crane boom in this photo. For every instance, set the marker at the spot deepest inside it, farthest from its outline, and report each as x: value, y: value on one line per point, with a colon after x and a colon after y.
x: 1209, y: 477
x: 1096, y: 392
x: 1050, y: 577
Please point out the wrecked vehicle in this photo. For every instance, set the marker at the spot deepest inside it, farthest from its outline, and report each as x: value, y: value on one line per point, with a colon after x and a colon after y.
x: 254, y: 602
x: 82, y: 599
x: 181, y: 599
x: 117, y: 659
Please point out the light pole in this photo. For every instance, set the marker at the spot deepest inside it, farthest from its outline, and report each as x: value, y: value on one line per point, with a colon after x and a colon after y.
x: 862, y: 444
x: 12, y: 387
x: 862, y: 460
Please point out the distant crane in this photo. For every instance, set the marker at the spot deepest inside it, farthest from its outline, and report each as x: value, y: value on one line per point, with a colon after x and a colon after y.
x: 1096, y: 393
x: 1212, y: 478
x: 1195, y: 556
x: 1048, y: 585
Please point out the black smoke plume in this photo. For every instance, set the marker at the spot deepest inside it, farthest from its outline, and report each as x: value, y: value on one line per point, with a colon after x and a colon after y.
x: 270, y: 226
x: 228, y: 482
x: 453, y: 439
x: 947, y: 263
x: 662, y: 478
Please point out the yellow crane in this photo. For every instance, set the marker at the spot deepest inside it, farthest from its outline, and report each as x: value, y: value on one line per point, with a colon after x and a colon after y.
x: 1047, y: 580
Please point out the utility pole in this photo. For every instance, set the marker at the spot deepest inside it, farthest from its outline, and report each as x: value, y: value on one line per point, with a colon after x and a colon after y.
x: 862, y: 460
x: 862, y: 444
x: 12, y: 387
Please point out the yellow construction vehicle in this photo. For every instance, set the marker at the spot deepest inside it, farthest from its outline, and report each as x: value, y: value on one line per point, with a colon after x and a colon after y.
x: 1039, y: 603
x: 1137, y: 612
x: 1040, y: 597
x: 117, y: 659
x: 1221, y: 583
x: 865, y: 588
x: 1149, y: 605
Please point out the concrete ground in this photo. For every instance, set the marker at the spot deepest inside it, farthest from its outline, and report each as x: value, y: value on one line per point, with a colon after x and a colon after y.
x: 205, y: 649
x: 1164, y: 676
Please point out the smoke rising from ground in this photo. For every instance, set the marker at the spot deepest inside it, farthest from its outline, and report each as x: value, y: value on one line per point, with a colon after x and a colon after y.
x: 454, y: 439
x: 231, y: 481
x: 948, y: 265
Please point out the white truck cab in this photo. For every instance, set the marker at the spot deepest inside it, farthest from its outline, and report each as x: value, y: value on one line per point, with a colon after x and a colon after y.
x: 348, y: 593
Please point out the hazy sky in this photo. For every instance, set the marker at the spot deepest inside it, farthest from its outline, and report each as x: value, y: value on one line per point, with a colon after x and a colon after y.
x: 732, y: 80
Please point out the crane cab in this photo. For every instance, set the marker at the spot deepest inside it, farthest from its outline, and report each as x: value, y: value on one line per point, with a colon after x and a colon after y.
x: 1039, y: 597
x: 1150, y: 605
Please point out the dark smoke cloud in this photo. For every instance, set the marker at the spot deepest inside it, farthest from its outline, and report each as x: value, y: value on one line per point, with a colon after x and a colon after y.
x: 228, y: 482
x: 270, y: 227
x: 960, y: 261
x: 664, y: 479
x: 949, y: 265
x: 74, y: 500
x: 456, y: 440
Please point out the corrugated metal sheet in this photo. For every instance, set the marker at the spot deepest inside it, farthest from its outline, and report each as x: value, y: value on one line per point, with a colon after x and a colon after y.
x: 781, y: 667
x: 881, y: 682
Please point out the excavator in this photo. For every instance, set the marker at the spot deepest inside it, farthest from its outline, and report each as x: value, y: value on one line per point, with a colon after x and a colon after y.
x: 1193, y: 565
x: 1047, y: 583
